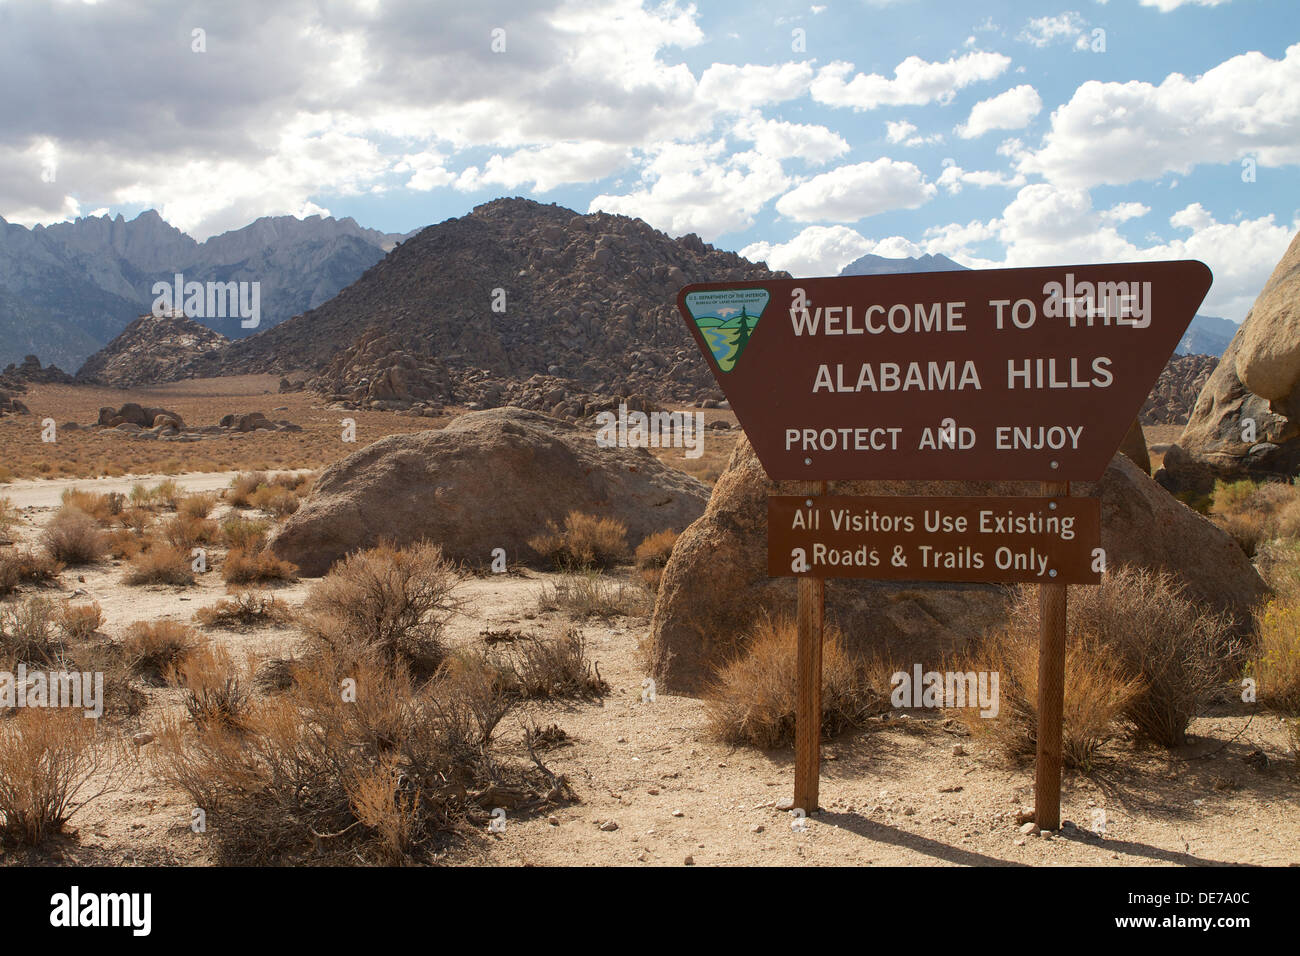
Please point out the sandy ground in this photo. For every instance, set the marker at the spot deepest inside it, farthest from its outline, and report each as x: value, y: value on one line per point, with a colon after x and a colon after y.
x: 47, y: 492
x: 908, y: 789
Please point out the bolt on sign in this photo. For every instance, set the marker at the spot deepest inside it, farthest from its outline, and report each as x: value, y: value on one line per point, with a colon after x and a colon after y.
x: 1011, y: 374
x: 998, y: 540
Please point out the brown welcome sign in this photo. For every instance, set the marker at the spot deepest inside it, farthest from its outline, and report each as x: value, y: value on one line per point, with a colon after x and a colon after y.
x: 1000, y: 374
x: 1017, y: 374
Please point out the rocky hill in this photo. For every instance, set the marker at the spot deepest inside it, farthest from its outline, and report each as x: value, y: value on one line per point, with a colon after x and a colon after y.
x: 151, y: 349
x: 514, y: 292
x: 30, y: 372
x: 69, y: 288
x: 1174, y: 394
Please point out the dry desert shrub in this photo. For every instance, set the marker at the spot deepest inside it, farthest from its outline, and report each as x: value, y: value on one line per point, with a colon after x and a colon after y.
x: 215, y: 692
x: 8, y: 518
x: 1276, y: 665
x: 1097, y: 690
x: 74, y: 537
x: 80, y: 621
x: 388, y: 773
x: 185, y: 532
x: 18, y: 567
x: 197, y: 505
x: 1254, y: 513
x: 102, y: 507
x: 245, y: 609
x: 556, y: 667
x: 585, y: 541
x: 142, y: 496
x: 124, y: 544
x: 28, y: 632
x: 275, y: 500
x: 751, y: 699
x: 161, y: 564
x: 591, y: 594
x: 167, y: 494
x: 154, y: 648
x: 1180, y: 651
x: 247, y: 534
x: 253, y: 567
x: 652, y: 556
x: 242, y: 487
x: 135, y: 519
x: 53, y: 762
x: 387, y: 604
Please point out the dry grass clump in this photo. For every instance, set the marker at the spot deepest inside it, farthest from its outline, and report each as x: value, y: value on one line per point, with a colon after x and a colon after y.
x: 585, y: 541
x: 18, y: 567
x: 153, y: 648
x: 28, y: 632
x: 242, y: 487
x: 185, y: 532
x: 591, y: 594
x: 1097, y: 690
x: 246, y: 609
x: 1254, y: 513
x: 274, y: 499
x: 278, y: 494
x: 1276, y: 664
x: 355, y: 761
x: 168, y: 494
x: 1180, y: 651
x: 387, y: 604
x: 197, y: 505
x: 1137, y: 648
x: 143, y: 497
x: 556, y: 667
x: 252, y: 567
x: 53, y: 763
x: 102, y: 507
x: 215, y: 692
x: 161, y: 564
x: 652, y: 556
x: 78, y: 622
x: 74, y: 537
x: 751, y: 699
x: 8, y: 518
x: 246, y: 534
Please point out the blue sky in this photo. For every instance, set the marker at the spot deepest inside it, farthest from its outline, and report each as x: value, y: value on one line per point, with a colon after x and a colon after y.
x: 997, y: 132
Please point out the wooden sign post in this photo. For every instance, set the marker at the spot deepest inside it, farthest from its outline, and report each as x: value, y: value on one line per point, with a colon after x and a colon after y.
x: 1051, y: 692
x: 810, y: 614
x: 1028, y: 375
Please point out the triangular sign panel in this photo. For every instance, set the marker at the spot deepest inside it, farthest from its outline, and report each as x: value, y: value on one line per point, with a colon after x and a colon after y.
x: 998, y: 374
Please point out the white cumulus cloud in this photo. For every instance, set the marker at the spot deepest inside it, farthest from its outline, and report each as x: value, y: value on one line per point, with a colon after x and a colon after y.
x: 850, y: 193
x: 1013, y: 109
x: 1117, y: 133
x: 915, y: 81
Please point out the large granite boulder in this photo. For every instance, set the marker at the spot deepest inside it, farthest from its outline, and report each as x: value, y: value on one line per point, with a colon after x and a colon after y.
x: 1246, y: 421
x: 490, y: 479
x: 716, y: 580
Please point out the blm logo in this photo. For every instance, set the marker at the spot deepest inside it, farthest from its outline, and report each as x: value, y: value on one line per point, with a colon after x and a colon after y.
x: 727, y: 319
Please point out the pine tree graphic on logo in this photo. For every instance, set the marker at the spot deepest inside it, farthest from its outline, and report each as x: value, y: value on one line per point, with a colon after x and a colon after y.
x: 727, y: 319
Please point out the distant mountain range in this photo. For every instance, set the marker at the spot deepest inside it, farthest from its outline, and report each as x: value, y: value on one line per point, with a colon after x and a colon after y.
x: 1206, y: 335
x: 68, y: 289
x: 870, y: 265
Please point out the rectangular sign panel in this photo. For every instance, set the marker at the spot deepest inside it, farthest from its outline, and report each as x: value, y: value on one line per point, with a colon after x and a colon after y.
x: 994, y: 540
x: 1015, y: 374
